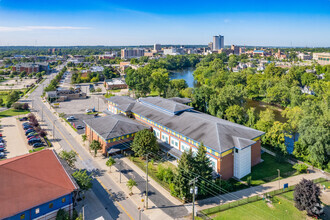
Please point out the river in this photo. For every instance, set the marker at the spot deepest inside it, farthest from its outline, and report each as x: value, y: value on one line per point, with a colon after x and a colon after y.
x: 186, y: 74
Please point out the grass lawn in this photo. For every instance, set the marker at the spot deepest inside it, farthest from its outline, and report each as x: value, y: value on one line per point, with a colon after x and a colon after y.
x: 114, y: 90
x: 12, y: 112
x: 267, y: 170
x: 153, y: 169
x: 280, y: 208
x: 153, y: 93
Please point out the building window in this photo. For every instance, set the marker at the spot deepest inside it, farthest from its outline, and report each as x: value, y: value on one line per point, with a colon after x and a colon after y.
x: 63, y: 200
x: 23, y: 216
x: 37, y: 210
x: 51, y: 205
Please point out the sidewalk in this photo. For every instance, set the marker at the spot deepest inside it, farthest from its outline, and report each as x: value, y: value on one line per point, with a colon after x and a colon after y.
x: 256, y: 190
x: 138, y: 196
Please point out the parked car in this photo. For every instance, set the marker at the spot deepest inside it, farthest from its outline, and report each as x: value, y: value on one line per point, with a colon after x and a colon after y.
x: 2, y: 149
x: 80, y: 127
x: 2, y: 141
x: 2, y: 145
x: 35, y: 136
x: 32, y: 134
x: 26, y: 123
x: 0, y: 134
x: 89, y: 111
x: 27, y: 127
x: 38, y: 144
x: 70, y: 118
x: 2, y: 155
x: 34, y: 140
x: 29, y: 131
x: 23, y: 119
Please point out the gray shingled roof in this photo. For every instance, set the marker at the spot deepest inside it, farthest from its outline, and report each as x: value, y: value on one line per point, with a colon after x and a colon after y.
x: 112, y: 126
x: 121, y: 100
x: 218, y: 134
x: 165, y: 104
x: 180, y: 100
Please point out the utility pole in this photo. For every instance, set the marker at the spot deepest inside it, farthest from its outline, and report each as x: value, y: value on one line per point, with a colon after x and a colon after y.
x: 193, y: 190
x: 42, y: 113
x: 98, y: 104
x: 119, y: 171
x: 54, y: 130
x: 147, y: 183
x: 83, y: 212
x: 279, y: 175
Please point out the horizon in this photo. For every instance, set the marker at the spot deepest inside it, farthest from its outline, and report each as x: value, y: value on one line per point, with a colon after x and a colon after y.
x: 116, y: 23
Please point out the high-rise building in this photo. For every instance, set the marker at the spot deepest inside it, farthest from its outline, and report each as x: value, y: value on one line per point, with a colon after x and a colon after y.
x: 218, y: 42
x: 132, y: 53
x: 157, y: 47
x: 210, y: 45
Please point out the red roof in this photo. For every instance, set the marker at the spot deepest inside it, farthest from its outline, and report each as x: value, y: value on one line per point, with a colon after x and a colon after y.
x: 30, y: 180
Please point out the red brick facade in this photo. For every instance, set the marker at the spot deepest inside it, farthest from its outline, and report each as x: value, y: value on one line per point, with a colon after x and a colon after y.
x: 256, y: 153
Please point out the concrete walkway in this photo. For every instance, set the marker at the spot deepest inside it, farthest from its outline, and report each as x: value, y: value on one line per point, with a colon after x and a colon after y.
x: 256, y: 190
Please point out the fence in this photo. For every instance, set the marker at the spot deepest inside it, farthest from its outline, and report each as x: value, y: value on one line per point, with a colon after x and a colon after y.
x: 251, y: 199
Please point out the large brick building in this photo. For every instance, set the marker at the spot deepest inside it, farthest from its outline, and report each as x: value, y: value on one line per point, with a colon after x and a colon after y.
x: 112, y: 131
x: 232, y: 148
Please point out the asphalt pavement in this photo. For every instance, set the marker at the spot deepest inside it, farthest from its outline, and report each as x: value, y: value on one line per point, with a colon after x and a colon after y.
x: 125, y: 209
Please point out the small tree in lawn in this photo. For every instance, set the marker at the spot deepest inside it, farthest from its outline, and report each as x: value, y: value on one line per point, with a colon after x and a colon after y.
x: 42, y: 133
x: 110, y: 162
x: 69, y: 157
x: 83, y: 179
x: 130, y: 184
x: 95, y: 146
x: 84, y: 137
x: 144, y: 142
x: 307, y: 196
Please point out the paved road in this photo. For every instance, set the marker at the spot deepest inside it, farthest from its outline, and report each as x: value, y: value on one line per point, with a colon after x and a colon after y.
x: 125, y: 209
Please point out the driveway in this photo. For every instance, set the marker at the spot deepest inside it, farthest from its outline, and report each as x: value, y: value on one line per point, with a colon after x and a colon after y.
x: 14, y: 137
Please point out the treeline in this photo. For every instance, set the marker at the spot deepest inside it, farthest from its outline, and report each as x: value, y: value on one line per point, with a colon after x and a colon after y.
x: 155, y: 76
x: 224, y: 94
x: 107, y: 73
x: 54, y: 82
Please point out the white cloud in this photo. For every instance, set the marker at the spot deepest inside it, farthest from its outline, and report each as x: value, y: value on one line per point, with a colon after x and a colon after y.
x: 32, y: 28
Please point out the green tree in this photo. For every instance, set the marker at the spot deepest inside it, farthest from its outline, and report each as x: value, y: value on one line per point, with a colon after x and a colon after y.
x: 183, y: 176
x: 84, y: 138
x: 69, y: 157
x: 83, y: 179
x: 252, y: 117
x: 160, y: 80
x: 275, y: 136
x: 266, y: 121
x: 62, y: 215
x: 144, y: 142
x: 293, y: 116
x: 178, y: 84
x: 110, y: 162
x: 308, y: 79
x: 236, y: 114
x: 203, y: 168
x: 95, y: 146
x: 130, y: 184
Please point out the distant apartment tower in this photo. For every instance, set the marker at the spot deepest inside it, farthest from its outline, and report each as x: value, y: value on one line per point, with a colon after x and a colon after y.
x: 218, y: 42
x: 132, y: 53
x: 157, y: 47
x: 210, y: 45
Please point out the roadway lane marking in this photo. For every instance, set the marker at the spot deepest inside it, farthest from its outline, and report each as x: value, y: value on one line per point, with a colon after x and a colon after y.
x: 96, y: 177
x: 114, y: 198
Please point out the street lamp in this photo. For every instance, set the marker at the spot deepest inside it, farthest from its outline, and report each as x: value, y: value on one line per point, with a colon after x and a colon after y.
x: 279, y: 175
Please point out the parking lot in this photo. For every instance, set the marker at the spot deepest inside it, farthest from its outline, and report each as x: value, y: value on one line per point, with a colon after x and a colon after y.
x: 79, y: 106
x: 15, y: 143
x: 79, y: 118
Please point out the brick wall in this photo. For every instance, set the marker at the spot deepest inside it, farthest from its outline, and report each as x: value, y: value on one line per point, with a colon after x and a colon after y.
x: 227, y: 166
x: 256, y: 153
x: 93, y: 136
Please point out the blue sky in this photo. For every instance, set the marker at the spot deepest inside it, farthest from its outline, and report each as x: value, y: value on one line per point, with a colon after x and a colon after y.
x: 115, y: 22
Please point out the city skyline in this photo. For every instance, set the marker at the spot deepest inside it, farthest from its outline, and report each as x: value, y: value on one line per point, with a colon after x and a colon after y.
x: 60, y: 23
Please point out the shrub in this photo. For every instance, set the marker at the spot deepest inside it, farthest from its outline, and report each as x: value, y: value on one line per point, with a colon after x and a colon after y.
x: 300, y: 167
x: 17, y: 106
x: 249, y: 180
